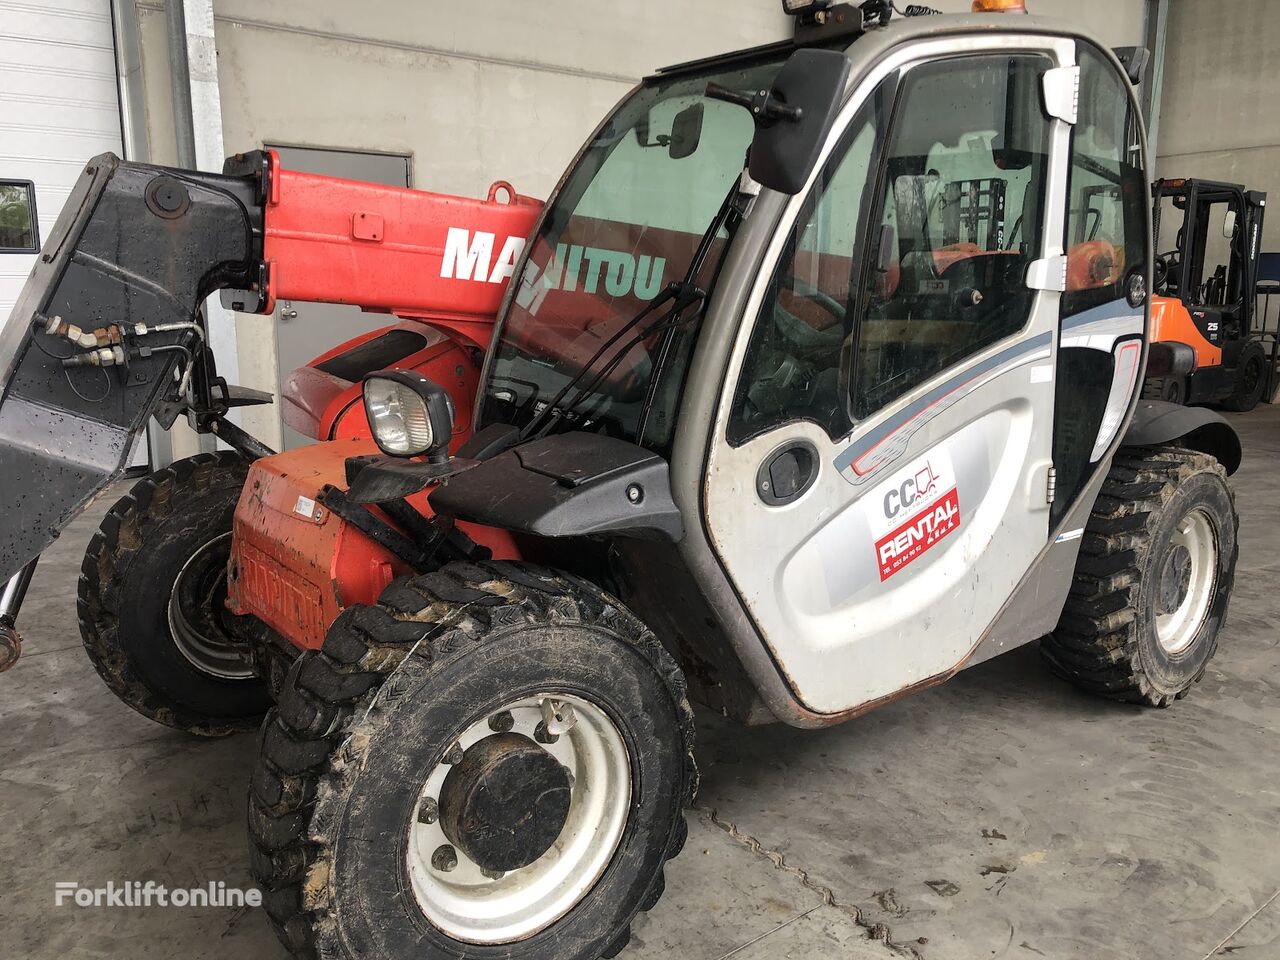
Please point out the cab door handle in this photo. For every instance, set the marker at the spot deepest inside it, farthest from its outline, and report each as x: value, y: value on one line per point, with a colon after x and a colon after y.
x: 787, y: 473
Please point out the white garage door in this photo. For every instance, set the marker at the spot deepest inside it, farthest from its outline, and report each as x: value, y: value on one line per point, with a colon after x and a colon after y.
x: 58, y: 106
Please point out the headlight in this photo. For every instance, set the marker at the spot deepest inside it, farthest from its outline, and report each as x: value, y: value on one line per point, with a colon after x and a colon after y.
x: 398, y: 417
x: 410, y: 415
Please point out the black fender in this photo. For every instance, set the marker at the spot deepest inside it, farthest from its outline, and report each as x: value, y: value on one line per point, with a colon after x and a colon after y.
x: 1156, y: 422
x: 568, y: 485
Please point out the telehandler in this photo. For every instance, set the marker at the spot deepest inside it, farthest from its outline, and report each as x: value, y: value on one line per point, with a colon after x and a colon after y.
x: 798, y: 401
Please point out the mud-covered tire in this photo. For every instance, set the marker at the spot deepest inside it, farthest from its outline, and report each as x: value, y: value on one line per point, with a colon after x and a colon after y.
x: 1251, y: 380
x: 344, y: 756
x: 127, y: 583
x: 1107, y: 641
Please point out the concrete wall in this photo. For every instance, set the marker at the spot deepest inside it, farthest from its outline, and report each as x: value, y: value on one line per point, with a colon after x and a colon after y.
x: 1218, y: 117
x: 1118, y: 23
x: 511, y: 93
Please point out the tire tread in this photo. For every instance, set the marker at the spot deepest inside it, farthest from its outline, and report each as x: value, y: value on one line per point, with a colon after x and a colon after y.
x: 119, y: 539
x: 368, y: 659
x: 1096, y: 645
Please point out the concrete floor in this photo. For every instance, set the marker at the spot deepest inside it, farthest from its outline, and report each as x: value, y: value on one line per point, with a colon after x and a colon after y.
x: 1001, y: 815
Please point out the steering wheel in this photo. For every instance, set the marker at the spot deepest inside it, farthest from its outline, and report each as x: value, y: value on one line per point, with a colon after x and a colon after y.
x: 797, y: 356
x: 803, y: 337
x: 807, y: 291
x: 1166, y: 264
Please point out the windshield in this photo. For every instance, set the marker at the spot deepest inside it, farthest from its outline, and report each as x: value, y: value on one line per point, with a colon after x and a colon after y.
x: 625, y: 225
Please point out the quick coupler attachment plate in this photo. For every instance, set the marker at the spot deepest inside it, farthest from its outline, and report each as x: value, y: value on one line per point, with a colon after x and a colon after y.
x: 106, y: 329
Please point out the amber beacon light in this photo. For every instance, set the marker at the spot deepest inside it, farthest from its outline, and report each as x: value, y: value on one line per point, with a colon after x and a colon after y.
x: 999, y: 6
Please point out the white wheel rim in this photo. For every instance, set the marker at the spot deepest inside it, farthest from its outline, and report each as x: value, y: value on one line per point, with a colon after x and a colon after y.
x: 469, y: 906
x: 217, y: 656
x: 1177, y: 629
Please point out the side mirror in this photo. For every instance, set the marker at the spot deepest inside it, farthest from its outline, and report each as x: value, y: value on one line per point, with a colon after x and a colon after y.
x: 1134, y: 60
x: 1229, y: 225
x: 792, y: 118
x: 19, y: 229
x: 784, y: 153
x: 686, y: 132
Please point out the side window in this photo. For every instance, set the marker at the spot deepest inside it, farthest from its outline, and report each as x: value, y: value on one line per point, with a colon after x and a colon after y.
x: 1105, y: 229
x: 1105, y: 242
x: 792, y: 369
x: 959, y: 221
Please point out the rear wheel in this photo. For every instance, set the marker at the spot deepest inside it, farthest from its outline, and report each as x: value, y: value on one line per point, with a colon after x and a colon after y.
x: 1169, y: 389
x: 516, y: 746
x: 1152, y: 581
x: 151, y: 596
x: 1251, y: 380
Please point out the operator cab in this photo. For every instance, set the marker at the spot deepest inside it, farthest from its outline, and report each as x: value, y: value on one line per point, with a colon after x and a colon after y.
x: 815, y: 334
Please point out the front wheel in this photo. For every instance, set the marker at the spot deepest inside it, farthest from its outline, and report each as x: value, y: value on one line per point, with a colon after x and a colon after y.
x: 151, y: 600
x: 492, y: 762
x: 1153, y: 578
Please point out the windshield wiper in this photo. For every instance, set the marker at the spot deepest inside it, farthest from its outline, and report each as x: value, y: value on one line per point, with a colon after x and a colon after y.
x: 680, y: 294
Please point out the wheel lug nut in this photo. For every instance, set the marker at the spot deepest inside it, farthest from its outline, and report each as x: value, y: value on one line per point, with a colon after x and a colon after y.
x: 428, y: 811
x: 445, y: 858
x: 542, y: 735
x: 502, y: 722
x: 454, y: 755
x: 493, y: 874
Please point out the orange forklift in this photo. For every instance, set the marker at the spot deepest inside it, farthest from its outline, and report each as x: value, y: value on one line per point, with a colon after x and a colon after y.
x: 1204, y: 349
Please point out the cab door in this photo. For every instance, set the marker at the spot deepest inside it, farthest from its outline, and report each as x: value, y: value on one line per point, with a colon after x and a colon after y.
x: 879, y: 478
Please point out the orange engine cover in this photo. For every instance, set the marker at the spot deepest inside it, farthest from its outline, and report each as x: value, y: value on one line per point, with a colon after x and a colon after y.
x: 1171, y: 321
x: 294, y: 564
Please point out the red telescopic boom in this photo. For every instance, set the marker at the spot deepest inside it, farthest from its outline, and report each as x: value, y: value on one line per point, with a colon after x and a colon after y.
x: 396, y: 250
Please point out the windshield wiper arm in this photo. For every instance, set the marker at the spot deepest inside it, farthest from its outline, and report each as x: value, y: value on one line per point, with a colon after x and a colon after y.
x: 685, y: 293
